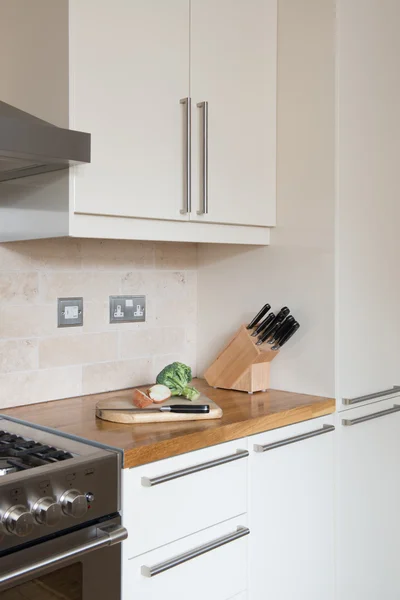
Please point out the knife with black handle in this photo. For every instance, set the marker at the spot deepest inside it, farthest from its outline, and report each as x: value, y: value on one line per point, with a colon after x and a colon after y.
x: 287, y: 336
x: 284, y: 326
x: 272, y: 326
x: 174, y: 408
x: 259, y: 316
x: 267, y: 321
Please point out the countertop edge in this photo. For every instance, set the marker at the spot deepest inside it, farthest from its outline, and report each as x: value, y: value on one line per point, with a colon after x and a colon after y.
x: 135, y: 457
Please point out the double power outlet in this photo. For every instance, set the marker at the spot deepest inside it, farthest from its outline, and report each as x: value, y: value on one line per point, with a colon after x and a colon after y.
x: 123, y: 309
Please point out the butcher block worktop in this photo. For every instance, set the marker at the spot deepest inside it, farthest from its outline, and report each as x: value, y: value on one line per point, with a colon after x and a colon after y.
x: 244, y: 415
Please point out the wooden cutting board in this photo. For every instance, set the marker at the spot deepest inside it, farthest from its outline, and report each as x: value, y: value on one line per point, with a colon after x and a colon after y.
x: 156, y: 416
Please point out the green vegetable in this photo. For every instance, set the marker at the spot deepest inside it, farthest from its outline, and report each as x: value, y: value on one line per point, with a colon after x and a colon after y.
x: 176, y: 377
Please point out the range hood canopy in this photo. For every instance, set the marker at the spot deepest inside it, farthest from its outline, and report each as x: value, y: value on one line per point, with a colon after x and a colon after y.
x: 29, y: 146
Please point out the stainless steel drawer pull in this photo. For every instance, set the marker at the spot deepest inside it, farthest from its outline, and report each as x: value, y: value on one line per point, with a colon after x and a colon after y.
x: 182, y: 558
x: 204, y: 159
x: 107, y: 536
x: 381, y: 413
x: 294, y: 439
x: 188, y: 156
x: 395, y: 389
x: 149, y: 482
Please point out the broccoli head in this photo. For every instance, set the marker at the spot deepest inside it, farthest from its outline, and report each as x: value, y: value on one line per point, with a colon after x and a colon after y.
x: 176, y: 377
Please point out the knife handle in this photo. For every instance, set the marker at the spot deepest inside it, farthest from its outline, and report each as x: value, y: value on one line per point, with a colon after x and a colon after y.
x: 287, y: 336
x: 284, y: 326
x: 283, y: 313
x: 187, y: 408
x: 259, y: 316
x: 263, y: 324
x: 271, y: 327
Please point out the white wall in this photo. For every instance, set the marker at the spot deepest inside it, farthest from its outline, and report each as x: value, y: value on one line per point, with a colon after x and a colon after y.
x: 298, y: 268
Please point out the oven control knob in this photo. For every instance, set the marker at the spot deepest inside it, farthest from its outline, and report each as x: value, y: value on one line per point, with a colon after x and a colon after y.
x: 19, y: 521
x: 3, y: 532
x: 47, y: 511
x: 74, y: 504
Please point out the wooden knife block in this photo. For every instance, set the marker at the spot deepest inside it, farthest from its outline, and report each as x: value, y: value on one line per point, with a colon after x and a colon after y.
x: 242, y: 365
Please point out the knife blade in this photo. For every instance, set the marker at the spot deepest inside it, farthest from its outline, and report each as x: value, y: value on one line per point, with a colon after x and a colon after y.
x: 285, y: 338
x: 259, y: 316
x: 263, y: 324
x: 271, y: 327
x: 175, y: 408
x: 284, y: 326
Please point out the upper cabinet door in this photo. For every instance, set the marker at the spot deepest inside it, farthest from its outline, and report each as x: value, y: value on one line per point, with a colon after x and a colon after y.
x: 233, y: 69
x: 129, y: 66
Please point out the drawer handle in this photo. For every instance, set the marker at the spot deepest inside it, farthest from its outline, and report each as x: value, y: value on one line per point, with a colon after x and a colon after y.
x: 149, y: 482
x: 294, y: 439
x: 377, y: 415
x: 395, y: 389
x: 182, y: 558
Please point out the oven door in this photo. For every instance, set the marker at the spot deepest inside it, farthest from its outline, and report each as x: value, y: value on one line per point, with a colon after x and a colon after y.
x: 81, y: 565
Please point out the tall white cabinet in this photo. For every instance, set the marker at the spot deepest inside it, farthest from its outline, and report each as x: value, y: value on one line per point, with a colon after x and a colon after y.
x: 368, y: 492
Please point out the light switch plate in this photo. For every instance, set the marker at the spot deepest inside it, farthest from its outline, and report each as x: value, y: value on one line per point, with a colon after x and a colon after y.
x: 70, y: 312
x: 127, y: 309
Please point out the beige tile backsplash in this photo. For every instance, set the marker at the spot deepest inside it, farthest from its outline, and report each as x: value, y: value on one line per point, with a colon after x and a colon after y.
x: 39, y: 362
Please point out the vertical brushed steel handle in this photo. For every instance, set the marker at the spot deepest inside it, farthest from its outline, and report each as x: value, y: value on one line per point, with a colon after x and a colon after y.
x: 187, y: 102
x: 204, y: 159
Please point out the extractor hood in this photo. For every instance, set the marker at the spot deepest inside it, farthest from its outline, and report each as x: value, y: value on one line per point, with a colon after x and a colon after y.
x: 29, y: 146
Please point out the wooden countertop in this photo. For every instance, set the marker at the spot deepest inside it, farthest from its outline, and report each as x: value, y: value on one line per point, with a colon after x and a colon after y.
x: 243, y: 415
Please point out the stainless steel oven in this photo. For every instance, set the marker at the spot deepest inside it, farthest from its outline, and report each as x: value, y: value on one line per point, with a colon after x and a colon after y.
x: 80, y: 565
x: 60, y: 528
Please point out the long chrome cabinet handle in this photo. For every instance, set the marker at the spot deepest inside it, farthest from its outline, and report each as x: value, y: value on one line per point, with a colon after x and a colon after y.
x: 188, y: 156
x: 294, y: 439
x: 182, y: 558
x: 149, y: 482
x: 204, y: 159
x: 377, y: 415
x: 395, y: 389
x: 107, y: 537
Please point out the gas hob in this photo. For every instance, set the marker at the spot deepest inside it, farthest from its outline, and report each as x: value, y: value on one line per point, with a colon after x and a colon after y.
x: 50, y: 483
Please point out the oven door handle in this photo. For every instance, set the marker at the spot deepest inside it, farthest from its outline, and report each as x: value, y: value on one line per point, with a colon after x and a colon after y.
x: 106, y: 536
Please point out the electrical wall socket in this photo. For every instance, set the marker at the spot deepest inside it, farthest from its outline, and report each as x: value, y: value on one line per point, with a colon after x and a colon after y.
x: 127, y: 309
x: 70, y: 312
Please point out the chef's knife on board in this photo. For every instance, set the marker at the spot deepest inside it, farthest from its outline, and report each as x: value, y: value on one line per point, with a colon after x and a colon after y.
x: 272, y: 326
x: 286, y: 337
x: 259, y: 316
x: 267, y: 321
x: 174, y: 408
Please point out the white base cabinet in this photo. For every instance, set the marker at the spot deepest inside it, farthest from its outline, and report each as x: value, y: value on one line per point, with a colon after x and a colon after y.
x: 217, y: 571
x: 291, y: 512
x: 368, y: 495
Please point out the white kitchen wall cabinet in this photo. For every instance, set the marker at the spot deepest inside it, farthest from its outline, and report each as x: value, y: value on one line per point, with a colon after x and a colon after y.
x: 368, y: 492
x: 136, y: 72
x: 232, y: 68
x: 291, y: 512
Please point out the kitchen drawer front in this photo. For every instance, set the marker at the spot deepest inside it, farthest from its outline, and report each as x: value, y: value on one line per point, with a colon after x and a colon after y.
x: 173, y: 498
x: 216, y: 574
x: 284, y: 436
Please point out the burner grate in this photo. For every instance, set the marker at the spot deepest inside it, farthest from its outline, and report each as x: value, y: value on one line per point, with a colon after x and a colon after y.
x: 22, y: 454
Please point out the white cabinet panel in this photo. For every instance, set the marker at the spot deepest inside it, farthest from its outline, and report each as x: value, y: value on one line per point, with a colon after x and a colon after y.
x: 291, y: 514
x: 217, y: 574
x: 129, y: 67
x: 368, y: 494
x: 233, y: 68
x: 179, y: 506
